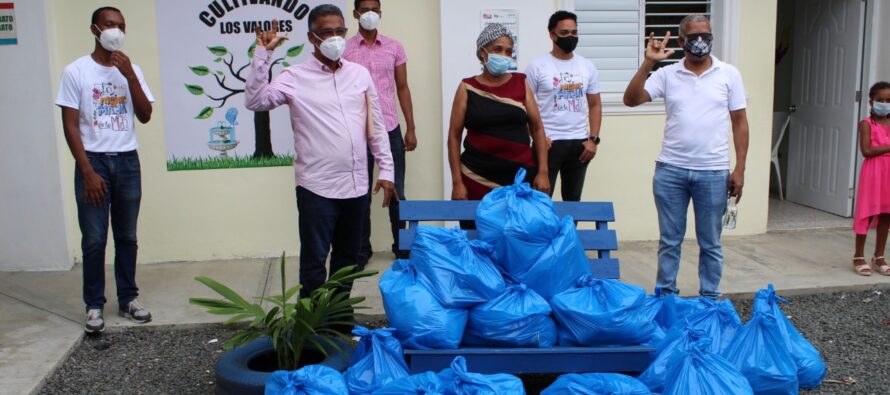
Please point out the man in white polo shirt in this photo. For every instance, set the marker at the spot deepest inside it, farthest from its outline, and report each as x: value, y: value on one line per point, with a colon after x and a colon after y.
x: 703, y: 98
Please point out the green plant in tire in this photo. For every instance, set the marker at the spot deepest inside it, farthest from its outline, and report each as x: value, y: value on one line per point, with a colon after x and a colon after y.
x: 290, y: 322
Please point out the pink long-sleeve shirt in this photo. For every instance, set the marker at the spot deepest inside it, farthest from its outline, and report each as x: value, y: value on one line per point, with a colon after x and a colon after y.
x: 328, y: 113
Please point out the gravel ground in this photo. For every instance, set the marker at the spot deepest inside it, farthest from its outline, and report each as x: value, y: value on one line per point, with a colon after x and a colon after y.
x: 850, y: 329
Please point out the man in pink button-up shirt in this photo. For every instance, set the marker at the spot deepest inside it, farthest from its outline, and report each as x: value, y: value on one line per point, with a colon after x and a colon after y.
x: 328, y: 99
x: 385, y: 59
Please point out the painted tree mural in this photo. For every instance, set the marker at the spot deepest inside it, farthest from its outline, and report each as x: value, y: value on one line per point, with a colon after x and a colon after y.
x: 230, y: 82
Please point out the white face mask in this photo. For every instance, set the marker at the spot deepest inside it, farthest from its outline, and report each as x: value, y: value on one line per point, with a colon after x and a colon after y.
x: 111, y: 39
x: 333, y: 47
x: 369, y: 20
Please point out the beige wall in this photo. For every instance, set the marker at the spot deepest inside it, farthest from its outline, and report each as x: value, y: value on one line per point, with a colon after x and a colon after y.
x: 201, y: 215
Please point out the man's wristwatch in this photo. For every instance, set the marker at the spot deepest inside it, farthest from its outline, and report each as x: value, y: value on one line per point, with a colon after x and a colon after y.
x: 595, y: 139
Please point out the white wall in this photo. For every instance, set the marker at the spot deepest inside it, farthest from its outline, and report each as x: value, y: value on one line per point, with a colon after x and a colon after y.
x: 880, y: 62
x: 461, y: 23
x: 33, y: 226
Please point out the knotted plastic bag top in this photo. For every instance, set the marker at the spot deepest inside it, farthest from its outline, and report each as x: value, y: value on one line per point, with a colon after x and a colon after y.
x: 308, y: 380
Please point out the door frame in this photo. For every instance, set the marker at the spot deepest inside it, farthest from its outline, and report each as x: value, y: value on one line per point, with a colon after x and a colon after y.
x: 865, y: 75
x: 869, y: 47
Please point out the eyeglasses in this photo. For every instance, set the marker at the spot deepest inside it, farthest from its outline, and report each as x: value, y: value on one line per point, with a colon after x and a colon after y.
x: 328, y: 33
x: 696, y: 36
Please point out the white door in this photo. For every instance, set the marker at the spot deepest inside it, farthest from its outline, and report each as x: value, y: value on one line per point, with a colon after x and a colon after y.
x: 827, y: 72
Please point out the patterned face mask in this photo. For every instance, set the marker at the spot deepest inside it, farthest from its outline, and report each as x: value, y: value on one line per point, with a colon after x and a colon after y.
x: 698, y: 44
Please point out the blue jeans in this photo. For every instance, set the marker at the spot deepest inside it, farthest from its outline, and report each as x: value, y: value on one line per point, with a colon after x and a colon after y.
x: 123, y: 183
x: 673, y: 187
x: 397, y: 147
x: 327, y: 225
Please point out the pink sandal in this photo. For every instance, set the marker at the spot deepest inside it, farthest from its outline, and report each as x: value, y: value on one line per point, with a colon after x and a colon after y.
x: 863, y: 269
x: 881, y: 269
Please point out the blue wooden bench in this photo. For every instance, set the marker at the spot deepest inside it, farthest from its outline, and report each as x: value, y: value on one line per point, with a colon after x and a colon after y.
x: 601, y: 240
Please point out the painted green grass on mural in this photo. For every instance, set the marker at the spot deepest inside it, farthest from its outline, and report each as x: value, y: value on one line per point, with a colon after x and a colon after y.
x: 231, y: 162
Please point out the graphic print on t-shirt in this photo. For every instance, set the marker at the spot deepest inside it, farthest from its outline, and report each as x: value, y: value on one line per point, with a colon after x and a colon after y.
x: 110, y: 107
x: 569, y: 89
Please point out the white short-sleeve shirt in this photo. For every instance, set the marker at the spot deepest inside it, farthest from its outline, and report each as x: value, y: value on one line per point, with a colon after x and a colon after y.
x: 561, y: 88
x: 102, y: 96
x: 696, y: 133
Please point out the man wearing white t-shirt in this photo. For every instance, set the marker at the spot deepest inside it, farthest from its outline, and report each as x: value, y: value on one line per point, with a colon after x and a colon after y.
x: 99, y: 95
x: 566, y: 88
x: 704, y: 98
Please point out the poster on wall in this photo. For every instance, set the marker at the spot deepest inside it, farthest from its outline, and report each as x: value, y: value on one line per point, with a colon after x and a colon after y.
x: 8, y: 35
x: 510, y: 20
x: 206, y: 48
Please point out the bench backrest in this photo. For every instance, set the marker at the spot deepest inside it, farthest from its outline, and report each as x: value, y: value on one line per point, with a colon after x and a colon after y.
x: 601, y: 240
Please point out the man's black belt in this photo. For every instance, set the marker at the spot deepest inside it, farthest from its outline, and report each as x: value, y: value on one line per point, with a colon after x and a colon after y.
x: 125, y: 153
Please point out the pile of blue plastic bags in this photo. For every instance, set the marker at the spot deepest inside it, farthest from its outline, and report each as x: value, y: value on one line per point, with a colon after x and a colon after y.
x: 378, y: 368
x: 710, y: 352
x: 526, y: 282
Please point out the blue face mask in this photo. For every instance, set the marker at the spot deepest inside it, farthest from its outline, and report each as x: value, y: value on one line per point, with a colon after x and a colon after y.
x: 498, y: 64
x: 882, y: 109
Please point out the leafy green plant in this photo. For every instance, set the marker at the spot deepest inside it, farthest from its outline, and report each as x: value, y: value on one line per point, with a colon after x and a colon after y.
x: 291, y: 323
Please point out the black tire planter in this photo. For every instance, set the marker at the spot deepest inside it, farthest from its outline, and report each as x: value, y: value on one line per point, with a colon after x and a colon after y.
x: 235, y: 377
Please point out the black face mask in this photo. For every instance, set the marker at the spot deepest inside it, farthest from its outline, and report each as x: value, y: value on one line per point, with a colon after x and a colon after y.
x: 567, y: 43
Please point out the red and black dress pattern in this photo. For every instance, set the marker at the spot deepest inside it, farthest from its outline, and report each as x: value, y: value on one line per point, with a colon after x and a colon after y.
x: 498, y: 141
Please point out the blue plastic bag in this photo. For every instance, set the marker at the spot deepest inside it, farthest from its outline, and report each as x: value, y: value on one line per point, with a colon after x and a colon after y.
x: 718, y: 320
x: 376, y: 361
x: 458, y: 271
x: 426, y: 383
x: 519, y: 222
x: 561, y: 264
x: 652, y: 307
x: 810, y: 366
x: 456, y: 380
x: 656, y: 375
x: 701, y: 372
x: 602, y: 312
x: 596, y: 384
x: 676, y: 309
x: 308, y: 380
x: 518, y: 318
x: 668, y: 309
x: 760, y: 353
x: 421, y: 322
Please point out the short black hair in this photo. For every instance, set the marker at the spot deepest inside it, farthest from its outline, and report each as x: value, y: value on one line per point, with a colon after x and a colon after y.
x: 323, y: 10
x: 877, y: 87
x: 357, y: 2
x: 560, y: 15
x: 100, y: 10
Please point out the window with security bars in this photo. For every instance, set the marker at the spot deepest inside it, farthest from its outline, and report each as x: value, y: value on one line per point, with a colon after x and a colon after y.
x: 613, y: 34
x: 662, y: 16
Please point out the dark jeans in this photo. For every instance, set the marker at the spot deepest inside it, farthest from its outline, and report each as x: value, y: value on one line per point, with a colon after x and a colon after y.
x: 397, y: 146
x: 562, y: 159
x: 327, y: 225
x: 123, y: 183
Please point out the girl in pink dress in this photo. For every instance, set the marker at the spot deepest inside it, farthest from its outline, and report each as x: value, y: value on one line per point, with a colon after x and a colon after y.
x: 873, y: 198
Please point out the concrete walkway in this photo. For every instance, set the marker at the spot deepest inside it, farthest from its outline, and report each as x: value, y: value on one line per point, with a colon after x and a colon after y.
x: 42, y: 314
